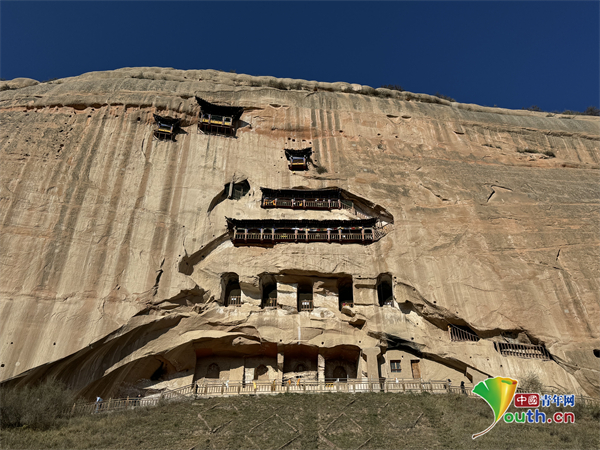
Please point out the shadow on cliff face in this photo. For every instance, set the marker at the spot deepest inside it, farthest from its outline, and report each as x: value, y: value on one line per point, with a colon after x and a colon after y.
x: 187, y: 263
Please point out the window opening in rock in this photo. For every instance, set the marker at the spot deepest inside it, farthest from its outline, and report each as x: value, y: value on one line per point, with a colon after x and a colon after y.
x: 237, y: 190
x: 461, y: 333
x: 305, y: 297
x: 233, y: 292
x: 213, y: 371
x: 597, y: 353
x: 261, y: 373
x: 385, y: 293
x: 345, y: 293
x: 269, y: 293
x: 415, y: 368
x: 340, y: 374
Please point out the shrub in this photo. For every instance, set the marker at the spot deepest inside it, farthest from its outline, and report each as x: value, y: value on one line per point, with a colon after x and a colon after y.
x: 534, y: 108
x: 40, y: 406
x: 393, y: 87
x: 444, y: 97
x: 592, y: 111
x: 531, y: 383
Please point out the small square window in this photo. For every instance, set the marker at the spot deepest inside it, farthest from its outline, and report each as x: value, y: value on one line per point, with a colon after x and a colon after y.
x: 395, y: 366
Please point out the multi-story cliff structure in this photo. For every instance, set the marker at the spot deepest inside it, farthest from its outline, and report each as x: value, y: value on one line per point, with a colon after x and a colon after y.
x: 162, y: 226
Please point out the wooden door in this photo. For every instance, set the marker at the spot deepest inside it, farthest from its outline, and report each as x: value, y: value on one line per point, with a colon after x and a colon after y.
x: 416, y: 369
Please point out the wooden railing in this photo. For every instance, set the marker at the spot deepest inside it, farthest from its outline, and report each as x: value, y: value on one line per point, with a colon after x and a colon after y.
x: 305, y: 203
x: 235, y: 300
x: 459, y: 335
x: 522, y: 350
x: 334, y: 236
x: 306, y: 305
x: 270, y: 302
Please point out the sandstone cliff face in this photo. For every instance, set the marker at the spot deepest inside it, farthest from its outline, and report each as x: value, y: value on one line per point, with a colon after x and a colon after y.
x: 115, y: 249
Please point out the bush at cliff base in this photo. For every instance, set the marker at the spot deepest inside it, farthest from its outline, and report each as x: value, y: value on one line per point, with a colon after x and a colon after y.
x: 39, y: 407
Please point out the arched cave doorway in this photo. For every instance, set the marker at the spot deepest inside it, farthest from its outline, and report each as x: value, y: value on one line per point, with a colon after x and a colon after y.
x: 261, y: 373
x: 232, y: 290
x: 385, y: 293
x: 305, y: 297
x: 213, y: 371
x: 269, y: 291
x: 345, y: 293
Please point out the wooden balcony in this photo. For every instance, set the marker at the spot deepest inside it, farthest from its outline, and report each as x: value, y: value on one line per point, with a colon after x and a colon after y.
x: 243, y: 237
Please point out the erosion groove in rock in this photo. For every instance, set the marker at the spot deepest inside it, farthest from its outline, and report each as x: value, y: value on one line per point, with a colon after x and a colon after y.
x: 117, y: 264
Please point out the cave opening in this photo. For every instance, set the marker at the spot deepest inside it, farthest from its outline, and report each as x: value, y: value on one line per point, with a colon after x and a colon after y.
x: 345, y: 292
x: 269, y: 291
x: 232, y: 290
x: 305, y: 296
x: 385, y: 293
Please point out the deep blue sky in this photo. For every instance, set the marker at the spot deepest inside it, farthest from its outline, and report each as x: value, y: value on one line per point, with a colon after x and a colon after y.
x: 510, y: 54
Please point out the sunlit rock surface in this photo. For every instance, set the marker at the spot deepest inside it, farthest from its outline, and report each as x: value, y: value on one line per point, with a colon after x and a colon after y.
x: 115, y: 253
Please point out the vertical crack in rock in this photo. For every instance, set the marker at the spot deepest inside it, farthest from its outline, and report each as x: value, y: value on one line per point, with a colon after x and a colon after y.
x: 159, y: 273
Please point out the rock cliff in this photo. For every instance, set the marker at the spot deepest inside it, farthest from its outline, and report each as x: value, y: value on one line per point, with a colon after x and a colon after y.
x: 117, y: 260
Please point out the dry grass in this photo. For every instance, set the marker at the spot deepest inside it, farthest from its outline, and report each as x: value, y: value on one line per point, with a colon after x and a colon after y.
x: 294, y: 421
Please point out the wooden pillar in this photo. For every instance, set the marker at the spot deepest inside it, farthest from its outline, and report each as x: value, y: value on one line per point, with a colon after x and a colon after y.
x: 340, y: 235
x: 245, y: 234
x: 329, y: 204
x: 363, y: 233
x: 261, y: 234
x: 273, y: 234
x: 304, y: 203
x: 306, y: 234
x: 328, y: 235
x: 296, y: 234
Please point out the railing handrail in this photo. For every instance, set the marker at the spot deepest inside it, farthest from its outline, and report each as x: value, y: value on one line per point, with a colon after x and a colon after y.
x: 211, y: 387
